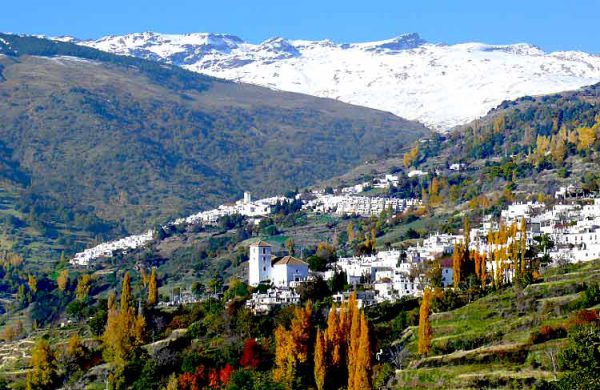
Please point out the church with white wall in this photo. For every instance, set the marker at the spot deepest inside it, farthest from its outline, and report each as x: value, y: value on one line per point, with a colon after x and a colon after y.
x: 281, y: 272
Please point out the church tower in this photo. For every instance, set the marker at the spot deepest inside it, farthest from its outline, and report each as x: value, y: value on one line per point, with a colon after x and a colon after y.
x: 260, y: 263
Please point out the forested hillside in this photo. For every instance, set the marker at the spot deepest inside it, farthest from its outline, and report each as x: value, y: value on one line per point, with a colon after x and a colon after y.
x: 98, y: 144
x: 524, y: 148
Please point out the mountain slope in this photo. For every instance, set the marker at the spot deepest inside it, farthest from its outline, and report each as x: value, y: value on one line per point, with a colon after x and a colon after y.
x: 439, y: 85
x: 531, y: 145
x: 508, y: 339
x: 134, y: 142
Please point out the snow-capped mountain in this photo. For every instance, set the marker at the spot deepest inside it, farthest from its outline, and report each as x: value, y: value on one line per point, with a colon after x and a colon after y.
x: 437, y: 84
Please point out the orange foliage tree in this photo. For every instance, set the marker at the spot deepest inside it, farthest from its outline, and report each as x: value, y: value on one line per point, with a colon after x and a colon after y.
x: 292, y: 346
x: 153, y: 289
x: 425, y: 330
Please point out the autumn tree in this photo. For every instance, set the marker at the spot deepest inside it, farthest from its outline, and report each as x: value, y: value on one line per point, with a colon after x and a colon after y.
x: 320, y: 361
x: 125, y: 292
x: 363, y: 368
x: 425, y: 330
x: 467, y: 242
x: 559, y: 151
x: 523, y: 245
x: 72, y: 354
x: 144, y: 277
x: 63, y: 280
x: 353, y: 339
x: 542, y: 146
x: 434, y: 192
x: 153, y: 289
x: 251, y: 355
x: 124, y: 332
x: 479, y: 260
x: 84, y: 285
x: 172, y: 384
x: 350, y: 229
x: 457, y: 258
x: 43, y: 365
x: 585, y: 138
x: 292, y: 346
x: 334, y: 336
x: 411, y: 156
x: 326, y: 251
x: 32, y: 283
x: 12, y: 332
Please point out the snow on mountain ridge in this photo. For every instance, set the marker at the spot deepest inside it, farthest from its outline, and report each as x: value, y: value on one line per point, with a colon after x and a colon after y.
x: 440, y: 85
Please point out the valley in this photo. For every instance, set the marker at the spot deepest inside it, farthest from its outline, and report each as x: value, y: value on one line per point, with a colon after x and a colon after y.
x: 170, y: 223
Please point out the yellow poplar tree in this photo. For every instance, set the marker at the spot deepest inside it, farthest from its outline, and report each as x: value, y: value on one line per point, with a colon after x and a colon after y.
x: 320, y: 361
x: 41, y: 375
x: 123, y: 333
x: 285, y: 365
x: 479, y: 260
x: 63, y: 280
x: 112, y: 301
x: 363, y: 368
x: 153, y: 289
x: 334, y: 337
x: 145, y: 278
x: 32, y: 283
x: 457, y: 258
x: 559, y: 151
x: 350, y: 231
x: 425, y: 330
x: 125, y: 292
x: 353, y: 338
x: 172, y: 384
x: 300, y: 330
x: 292, y: 346
x: 586, y: 137
x: 523, y: 244
x: 84, y: 285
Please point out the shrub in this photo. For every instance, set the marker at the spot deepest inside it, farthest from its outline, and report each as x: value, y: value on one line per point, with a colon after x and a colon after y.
x: 546, y: 333
x: 583, y: 317
x: 464, y: 343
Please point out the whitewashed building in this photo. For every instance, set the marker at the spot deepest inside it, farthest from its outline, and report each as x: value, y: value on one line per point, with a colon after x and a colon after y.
x: 260, y: 267
x: 263, y: 303
x: 288, y: 271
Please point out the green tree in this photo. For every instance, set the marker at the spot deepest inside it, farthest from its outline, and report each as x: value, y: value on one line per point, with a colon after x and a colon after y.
x: 580, y: 360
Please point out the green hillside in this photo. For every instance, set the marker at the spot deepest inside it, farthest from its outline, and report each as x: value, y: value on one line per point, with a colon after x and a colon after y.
x: 105, y: 144
x: 506, y: 339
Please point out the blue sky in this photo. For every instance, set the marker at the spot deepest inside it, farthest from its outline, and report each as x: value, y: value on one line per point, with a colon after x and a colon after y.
x: 550, y: 24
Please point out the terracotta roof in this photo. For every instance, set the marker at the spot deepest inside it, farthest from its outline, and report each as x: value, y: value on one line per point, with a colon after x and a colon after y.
x: 260, y: 243
x: 290, y: 260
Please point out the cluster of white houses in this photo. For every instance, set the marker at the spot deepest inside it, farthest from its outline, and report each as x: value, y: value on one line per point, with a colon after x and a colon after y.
x: 106, y: 249
x: 246, y: 207
x: 390, y: 274
x: 365, y: 206
x: 256, y: 209
x: 572, y: 225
